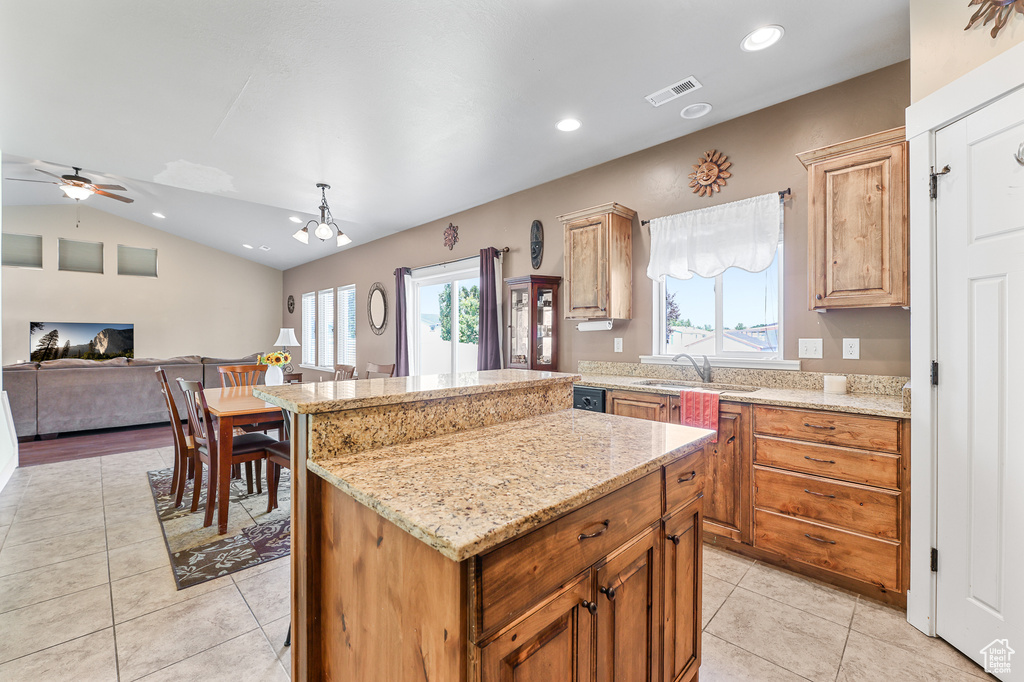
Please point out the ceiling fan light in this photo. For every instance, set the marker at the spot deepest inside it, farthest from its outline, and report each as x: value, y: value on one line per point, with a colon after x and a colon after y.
x: 343, y: 238
x: 323, y: 232
x: 75, y: 192
x: 302, y: 235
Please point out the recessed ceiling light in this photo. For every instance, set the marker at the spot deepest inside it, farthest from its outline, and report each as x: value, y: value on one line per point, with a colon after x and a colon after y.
x: 248, y: 246
x: 159, y: 215
x: 264, y: 247
x: 567, y: 125
x: 295, y: 220
x: 763, y: 37
x: 696, y: 110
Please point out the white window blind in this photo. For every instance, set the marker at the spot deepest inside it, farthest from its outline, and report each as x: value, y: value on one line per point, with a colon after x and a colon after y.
x: 325, y: 329
x: 22, y: 250
x: 132, y: 260
x: 79, y: 256
x: 309, y: 329
x: 347, y: 325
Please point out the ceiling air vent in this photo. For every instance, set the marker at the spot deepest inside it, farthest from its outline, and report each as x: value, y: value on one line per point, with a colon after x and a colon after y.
x: 668, y: 94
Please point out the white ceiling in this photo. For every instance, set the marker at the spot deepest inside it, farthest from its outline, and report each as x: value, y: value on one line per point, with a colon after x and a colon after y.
x: 224, y: 115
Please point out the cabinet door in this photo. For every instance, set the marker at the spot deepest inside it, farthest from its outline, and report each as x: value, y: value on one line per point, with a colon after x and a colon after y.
x: 858, y: 240
x: 586, y: 268
x: 682, y: 593
x: 639, y: 405
x: 728, y: 503
x: 554, y: 644
x: 629, y: 606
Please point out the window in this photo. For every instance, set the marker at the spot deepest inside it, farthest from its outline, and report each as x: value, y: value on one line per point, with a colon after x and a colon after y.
x: 446, y: 301
x: 325, y: 329
x: 22, y: 250
x: 132, y: 260
x: 78, y: 256
x: 347, y: 325
x: 309, y: 329
x: 735, y: 314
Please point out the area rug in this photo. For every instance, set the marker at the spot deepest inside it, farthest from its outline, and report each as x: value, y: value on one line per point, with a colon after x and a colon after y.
x: 253, y: 537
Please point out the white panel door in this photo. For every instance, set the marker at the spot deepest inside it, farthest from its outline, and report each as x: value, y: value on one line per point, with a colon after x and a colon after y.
x: 980, y: 317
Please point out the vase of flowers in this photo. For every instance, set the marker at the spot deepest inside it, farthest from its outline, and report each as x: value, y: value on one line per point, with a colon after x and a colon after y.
x: 275, y: 363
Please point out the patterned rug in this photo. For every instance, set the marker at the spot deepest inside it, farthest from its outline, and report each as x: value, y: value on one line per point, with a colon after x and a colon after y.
x: 199, y: 554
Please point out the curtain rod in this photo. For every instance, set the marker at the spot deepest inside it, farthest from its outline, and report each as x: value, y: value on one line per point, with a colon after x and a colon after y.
x: 782, y: 193
x: 449, y: 262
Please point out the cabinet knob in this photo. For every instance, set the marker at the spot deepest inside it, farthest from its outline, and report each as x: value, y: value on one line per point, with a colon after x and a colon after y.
x: 818, y: 297
x: 675, y: 539
x: 589, y: 606
x: 608, y: 592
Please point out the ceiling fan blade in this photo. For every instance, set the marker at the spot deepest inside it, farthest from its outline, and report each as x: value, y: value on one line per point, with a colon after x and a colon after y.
x: 114, y: 196
x: 49, y: 173
x: 118, y: 188
x: 45, y: 182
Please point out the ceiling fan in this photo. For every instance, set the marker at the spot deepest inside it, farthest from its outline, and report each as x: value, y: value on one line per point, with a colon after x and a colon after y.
x: 77, y: 187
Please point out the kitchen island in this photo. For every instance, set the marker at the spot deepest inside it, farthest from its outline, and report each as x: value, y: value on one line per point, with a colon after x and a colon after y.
x: 475, y: 527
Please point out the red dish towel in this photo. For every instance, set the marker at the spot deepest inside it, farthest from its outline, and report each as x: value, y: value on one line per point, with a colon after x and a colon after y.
x: 700, y: 409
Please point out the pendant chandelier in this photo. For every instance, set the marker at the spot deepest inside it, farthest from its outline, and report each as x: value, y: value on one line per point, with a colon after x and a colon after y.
x: 326, y: 227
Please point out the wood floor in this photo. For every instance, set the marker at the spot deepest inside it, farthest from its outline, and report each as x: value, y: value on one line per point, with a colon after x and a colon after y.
x: 94, y: 444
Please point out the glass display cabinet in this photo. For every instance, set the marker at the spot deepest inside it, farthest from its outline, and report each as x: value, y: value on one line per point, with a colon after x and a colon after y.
x: 532, y: 322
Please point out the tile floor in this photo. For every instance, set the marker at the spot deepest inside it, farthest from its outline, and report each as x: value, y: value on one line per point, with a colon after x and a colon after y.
x: 86, y: 593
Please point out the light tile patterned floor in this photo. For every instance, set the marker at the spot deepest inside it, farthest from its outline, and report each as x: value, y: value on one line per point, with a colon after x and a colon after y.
x: 86, y: 594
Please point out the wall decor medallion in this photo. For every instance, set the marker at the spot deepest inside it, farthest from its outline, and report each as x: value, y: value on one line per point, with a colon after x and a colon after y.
x: 291, y: 304
x: 536, y: 244
x: 451, y: 235
x: 710, y: 173
x: 997, y: 10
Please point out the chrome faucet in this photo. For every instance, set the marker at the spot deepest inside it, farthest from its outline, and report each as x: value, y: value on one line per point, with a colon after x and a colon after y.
x: 703, y: 372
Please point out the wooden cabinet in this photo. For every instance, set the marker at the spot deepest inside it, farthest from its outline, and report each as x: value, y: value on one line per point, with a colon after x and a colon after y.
x: 533, y: 322
x: 636, y: 404
x: 858, y: 239
x: 599, y: 262
x: 682, y: 593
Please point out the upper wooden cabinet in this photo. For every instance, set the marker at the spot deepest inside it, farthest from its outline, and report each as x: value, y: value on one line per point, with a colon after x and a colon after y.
x: 599, y: 262
x: 857, y: 222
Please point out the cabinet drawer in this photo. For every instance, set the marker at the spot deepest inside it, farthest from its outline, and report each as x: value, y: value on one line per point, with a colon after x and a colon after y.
x: 872, y: 433
x: 684, y: 479
x: 856, y: 466
x: 514, y: 577
x: 858, y: 508
x: 859, y: 557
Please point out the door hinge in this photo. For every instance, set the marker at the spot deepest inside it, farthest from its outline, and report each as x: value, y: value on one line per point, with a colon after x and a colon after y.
x: 935, y: 372
x: 933, y: 189
x: 935, y: 560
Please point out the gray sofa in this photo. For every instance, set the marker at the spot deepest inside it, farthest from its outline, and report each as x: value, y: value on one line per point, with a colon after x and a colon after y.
x: 61, y: 396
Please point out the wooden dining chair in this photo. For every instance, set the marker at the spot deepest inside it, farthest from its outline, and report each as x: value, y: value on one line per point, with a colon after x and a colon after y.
x: 279, y: 455
x: 184, y: 466
x: 240, y: 375
x: 344, y: 372
x: 374, y: 370
x: 250, y: 447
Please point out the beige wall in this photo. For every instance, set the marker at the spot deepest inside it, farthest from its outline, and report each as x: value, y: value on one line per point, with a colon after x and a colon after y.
x: 653, y: 182
x: 204, y: 302
x: 941, y: 50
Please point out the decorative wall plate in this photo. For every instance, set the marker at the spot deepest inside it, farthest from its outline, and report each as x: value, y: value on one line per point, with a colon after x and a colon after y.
x: 451, y: 235
x: 291, y: 304
x: 536, y: 244
x: 710, y: 173
x: 998, y: 10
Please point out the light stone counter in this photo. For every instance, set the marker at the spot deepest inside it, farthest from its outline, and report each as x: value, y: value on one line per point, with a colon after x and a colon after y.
x: 467, y: 491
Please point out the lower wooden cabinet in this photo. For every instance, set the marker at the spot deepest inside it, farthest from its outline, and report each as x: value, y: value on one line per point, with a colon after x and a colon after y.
x: 682, y: 598
x: 636, y: 404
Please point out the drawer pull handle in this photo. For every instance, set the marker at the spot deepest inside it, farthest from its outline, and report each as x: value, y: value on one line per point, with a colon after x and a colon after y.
x: 731, y: 439
x: 811, y: 492
x: 823, y: 461
x: 689, y: 477
x: 821, y: 540
x: 815, y: 426
x: 590, y: 606
x: 608, y: 592
x: 674, y: 538
x: 586, y: 536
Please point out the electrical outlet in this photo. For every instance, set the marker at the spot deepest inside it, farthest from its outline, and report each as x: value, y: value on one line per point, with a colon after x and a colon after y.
x: 618, y: 345
x: 851, y: 349
x: 810, y: 348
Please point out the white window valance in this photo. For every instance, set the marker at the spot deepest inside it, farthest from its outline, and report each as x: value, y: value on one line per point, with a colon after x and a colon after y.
x: 741, y: 234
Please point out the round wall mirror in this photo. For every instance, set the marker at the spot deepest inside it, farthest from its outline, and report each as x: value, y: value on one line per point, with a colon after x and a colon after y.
x: 377, y: 308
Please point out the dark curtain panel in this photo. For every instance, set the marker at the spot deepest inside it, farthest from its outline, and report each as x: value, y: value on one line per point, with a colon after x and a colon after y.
x: 489, y: 351
x: 401, y: 326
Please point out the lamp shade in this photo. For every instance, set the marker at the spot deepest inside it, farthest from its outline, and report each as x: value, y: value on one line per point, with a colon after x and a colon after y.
x: 75, y: 192
x: 286, y: 337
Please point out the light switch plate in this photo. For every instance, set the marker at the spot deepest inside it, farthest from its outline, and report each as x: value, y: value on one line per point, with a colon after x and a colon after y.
x: 810, y: 348
x: 618, y: 345
x: 851, y: 349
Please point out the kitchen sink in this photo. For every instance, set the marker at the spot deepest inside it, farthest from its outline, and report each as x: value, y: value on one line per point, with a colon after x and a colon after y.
x: 694, y: 386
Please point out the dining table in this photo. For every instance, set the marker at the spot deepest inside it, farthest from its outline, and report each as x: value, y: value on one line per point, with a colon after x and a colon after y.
x: 231, y: 407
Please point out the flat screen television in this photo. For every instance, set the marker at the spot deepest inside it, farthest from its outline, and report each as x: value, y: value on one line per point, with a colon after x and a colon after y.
x: 85, y: 340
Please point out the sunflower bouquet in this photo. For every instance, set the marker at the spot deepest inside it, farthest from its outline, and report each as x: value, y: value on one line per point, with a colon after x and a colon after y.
x: 278, y: 358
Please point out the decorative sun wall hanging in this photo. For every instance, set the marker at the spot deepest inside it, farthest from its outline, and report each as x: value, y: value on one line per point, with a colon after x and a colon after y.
x: 998, y: 10
x: 451, y: 235
x: 710, y: 173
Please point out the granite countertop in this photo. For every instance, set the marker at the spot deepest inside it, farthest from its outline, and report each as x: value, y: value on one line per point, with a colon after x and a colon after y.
x: 331, y: 396
x: 466, y: 492
x: 854, y: 403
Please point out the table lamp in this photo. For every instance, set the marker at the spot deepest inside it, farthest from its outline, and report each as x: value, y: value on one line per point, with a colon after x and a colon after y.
x: 284, y: 339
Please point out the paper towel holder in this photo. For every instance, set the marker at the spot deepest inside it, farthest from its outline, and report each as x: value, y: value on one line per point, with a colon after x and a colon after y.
x: 594, y: 326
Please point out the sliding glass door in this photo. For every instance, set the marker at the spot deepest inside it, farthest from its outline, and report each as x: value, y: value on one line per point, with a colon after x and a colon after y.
x: 447, y: 304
